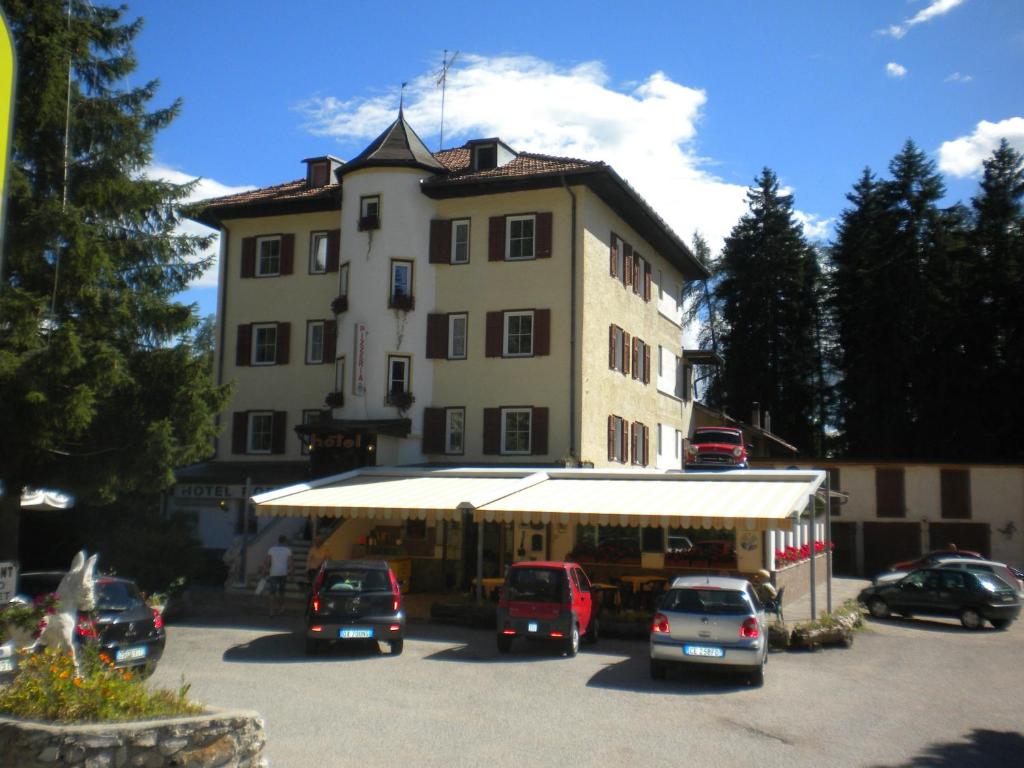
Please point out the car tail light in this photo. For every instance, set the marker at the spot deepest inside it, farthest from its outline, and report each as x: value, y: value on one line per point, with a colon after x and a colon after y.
x: 396, y: 591
x: 316, y: 628
x: 557, y: 634
x: 660, y: 625
x: 86, y: 627
x: 737, y: 451
x: 749, y: 629
x: 316, y: 603
x: 158, y: 620
x: 508, y: 631
x: 395, y: 627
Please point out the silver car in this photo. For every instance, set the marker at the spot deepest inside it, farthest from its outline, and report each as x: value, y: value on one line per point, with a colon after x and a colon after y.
x: 713, y: 622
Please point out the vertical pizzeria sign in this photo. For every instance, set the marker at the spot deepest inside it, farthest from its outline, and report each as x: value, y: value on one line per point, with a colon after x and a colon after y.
x: 359, y: 369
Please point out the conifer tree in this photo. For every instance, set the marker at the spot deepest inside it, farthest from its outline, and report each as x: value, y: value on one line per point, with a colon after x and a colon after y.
x: 102, y: 392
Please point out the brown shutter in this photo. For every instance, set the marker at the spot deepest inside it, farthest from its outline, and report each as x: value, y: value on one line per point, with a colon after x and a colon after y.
x: 239, y: 428
x: 542, y: 248
x: 632, y: 443
x: 889, y: 493
x: 638, y: 277
x: 280, y: 419
x: 284, y: 333
x: 495, y: 330
x: 333, y: 250
x: 542, y: 332
x: 646, y: 445
x: 647, y: 282
x: 496, y: 239
x: 243, y: 345
x: 492, y: 430
x: 330, y: 339
x: 287, y: 254
x: 647, y: 363
x: 627, y: 265
x: 611, y: 438
x: 611, y: 347
x: 624, y: 447
x: 955, y: 485
x: 625, y: 353
x: 539, y: 432
x: 440, y: 241
x: 634, y: 359
x: 437, y: 336
x: 248, y: 256
x: 433, y: 430
x: 613, y: 253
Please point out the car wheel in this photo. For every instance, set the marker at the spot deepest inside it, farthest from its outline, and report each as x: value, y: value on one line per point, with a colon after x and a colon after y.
x: 312, y: 646
x: 879, y: 608
x: 757, y: 676
x: 970, y: 618
x: 504, y: 643
x: 572, y: 642
x: 657, y: 670
x: 396, y: 646
x: 592, y: 631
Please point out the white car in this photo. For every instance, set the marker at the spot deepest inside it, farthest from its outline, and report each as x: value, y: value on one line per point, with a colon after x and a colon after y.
x: 965, y: 564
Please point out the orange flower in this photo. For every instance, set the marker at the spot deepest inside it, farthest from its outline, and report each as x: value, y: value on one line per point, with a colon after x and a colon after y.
x: 127, y: 675
x: 104, y: 658
x: 53, y: 669
x: 64, y: 675
x: 78, y: 682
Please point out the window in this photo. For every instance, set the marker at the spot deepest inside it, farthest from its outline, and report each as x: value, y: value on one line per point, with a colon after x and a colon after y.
x: 485, y: 156
x: 639, y: 265
x: 460, y: 241
x: 519, y: 237
x: 956, y: 493
x: 518, y: 334
x: 314, y: 342
x: 398, y: 374
x: 261, y: 432
x: 264, y: 344
x: 641, y: 361
x: 308, y: 417
x: 515, y: 430
x: 317, y: 174
x: 639, y: 434
x: 369, y: 212
x: 457, y: 329
x: 618, y: 445
x: 454, y: 430
x: 318, y: 253
x: 619, y: 349
x: 401, y: 284
x: 618, y: 258
x: 889, y: 493
x: 268, y: 256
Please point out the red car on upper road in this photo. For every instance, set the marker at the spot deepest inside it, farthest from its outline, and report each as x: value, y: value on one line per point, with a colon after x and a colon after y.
x: 717, y: 448
x: 548, y: 601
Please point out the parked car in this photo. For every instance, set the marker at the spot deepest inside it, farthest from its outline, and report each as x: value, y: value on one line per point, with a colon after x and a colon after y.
x: 355, y: 600
x: 720, y: 447
x: 968, y: 595
x: 935, y: 557
x: 549, y: 601
x: 712, y: 622
x: 1001, y: 570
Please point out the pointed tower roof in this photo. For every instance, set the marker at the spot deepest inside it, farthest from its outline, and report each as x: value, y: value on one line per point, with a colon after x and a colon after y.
x: 397, y: 146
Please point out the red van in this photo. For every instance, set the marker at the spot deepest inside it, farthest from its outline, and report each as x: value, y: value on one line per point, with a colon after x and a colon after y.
x: 548, y: 601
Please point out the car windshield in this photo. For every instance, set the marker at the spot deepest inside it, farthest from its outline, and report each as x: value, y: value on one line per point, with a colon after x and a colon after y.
x: 717, y: 436
x: 538, y: 585
x: 355, y: 580
x: 117, y: 595
x: 696, y: 600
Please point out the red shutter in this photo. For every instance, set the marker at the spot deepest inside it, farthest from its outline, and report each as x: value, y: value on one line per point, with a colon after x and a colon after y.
x: 492, y: 430
x: 627, y: 265
x: 440, y: 241
x: 333, y: 250
x: 284, y: 333
x: 625, y: 353
x: 287, y: 254
x: 330, y: 339
x: 437, y: 336
x: 542, y: 332
x: 495, y: 331
x: 613, y: 255
x: 647, y: 282
x: 496, y: 239
x: 239, y: 428
x: 280, y: 419
x: 248, y: 256
x: 625, y: 441
x: 243, y: 345
x: 647, y: 363
x: 539, y: 432
x: 543, y: 244
x: 611, y: 347
x: 611, y: 438
x: 433, y: 430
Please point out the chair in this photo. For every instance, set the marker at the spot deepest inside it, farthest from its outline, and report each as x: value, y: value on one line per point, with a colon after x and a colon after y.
x: 775, y: 606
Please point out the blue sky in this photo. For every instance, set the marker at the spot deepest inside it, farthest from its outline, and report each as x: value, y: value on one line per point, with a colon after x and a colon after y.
x: 687, y: 100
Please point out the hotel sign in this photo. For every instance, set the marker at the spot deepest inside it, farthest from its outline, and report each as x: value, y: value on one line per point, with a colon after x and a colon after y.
x: 359, y: 369
x: 214, y: 492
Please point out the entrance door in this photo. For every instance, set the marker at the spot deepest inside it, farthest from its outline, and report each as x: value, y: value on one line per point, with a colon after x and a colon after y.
x: 975, y: 537
x: 844, y: 558
x: 888, y: 543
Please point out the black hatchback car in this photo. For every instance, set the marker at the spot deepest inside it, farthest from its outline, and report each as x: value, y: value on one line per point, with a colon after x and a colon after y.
x: 355, y: 600
x: 969, y: 596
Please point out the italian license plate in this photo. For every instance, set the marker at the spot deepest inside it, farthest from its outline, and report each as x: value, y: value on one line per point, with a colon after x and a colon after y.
x: 351, y: 633
x: 703, y: 650
x: 531, y: 627
x: 6, y: 665
x: 130, y: 654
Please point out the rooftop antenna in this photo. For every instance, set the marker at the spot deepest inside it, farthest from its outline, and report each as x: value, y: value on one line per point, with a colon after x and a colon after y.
x: 442, y: 82
x: 401, y: 98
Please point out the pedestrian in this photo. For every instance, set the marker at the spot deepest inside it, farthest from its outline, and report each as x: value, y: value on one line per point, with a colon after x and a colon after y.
x: 317, y: 554
x: 765, y: 590
x: 277, y: 566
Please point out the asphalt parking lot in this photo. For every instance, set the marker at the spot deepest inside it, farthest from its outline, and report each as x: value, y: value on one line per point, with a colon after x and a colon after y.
x: 908, y: 693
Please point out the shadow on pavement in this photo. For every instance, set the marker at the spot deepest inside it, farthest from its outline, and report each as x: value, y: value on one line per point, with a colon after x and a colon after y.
x: 290, y: 648
x: 633, y: 674
x: 982, y: 749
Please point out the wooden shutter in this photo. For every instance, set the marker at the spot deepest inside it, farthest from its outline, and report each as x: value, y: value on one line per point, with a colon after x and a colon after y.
x: 613, y: 253
x: 635, y: 359
x: 625, y: 353
x: 611, y: 347
x: 433, y: 430
x: 495, y: 331
x: 542, y: 244
x: 333, y: 250
x: 492, y: 430
x: 280, y: 424
x: 956, y: 493
x: 542, y: 332
x: 243, y: 345
x: 239, y: 429
x: 646, y: 445
x: 284, y: 333
x: 496, y: 239
x: 440, y: 241
x: 248, y: 256
x: 647, y: 282
x: 627, y: 265
x: 889, y: 497
x: 634, y: 443
x: 624, y: 442
x: 647, y: 363
x: 437, y: 336
x: 539, y: 432
x: 611, y: 438
x: 330, y: 339
x: 287, y: 254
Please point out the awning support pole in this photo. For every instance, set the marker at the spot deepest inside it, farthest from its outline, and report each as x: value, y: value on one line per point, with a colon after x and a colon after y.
x: 813, y: 536
x: 828, y: 539
x: 480, y: 561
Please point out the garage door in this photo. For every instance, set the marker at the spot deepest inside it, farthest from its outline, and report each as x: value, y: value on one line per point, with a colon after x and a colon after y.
x: 973, y: 536
x: 887, y: 543
x: 844, y: 558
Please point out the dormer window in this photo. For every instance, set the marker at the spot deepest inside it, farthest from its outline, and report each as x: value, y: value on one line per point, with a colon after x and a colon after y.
x: 318, y: 174
x: 485, y: 156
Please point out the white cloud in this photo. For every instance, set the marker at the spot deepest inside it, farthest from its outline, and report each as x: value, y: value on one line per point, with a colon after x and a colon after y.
x: 935, y: 8
x: 204, y: 189
x: 815, y: 227
x: 956, y: 77
x: 892, y: 69
x: 963, y: 156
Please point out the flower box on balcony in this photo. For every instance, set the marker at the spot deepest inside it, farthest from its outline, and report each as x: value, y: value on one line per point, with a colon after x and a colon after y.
x: 368, y: 222
x: 335, y: 399
x: 339, y: 304
x: 402, y: 302
x: 401, y: 400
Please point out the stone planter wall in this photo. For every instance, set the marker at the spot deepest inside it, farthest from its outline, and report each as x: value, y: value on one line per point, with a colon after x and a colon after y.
x: 220, y: 738
x: 797, y: 578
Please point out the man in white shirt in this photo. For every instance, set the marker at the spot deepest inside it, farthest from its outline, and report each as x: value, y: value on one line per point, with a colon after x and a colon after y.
x: 277, y: 567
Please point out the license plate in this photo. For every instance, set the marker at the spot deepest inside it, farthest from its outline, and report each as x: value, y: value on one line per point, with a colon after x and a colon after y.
x: 531, y: 627
x: 130, y: 654
x: 703, y: 650
x: 349, y: 633
x: 6, y: 665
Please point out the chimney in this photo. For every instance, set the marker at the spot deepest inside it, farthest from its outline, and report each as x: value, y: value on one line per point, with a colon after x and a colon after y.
x: 755, y: 417
x: 767, y: 421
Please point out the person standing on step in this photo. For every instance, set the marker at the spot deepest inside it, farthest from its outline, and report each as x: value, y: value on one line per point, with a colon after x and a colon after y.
x: 277, y: 567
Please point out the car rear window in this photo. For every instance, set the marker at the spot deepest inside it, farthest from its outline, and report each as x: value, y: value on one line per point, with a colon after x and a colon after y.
x: 117, y: 595
x: 356, y: 580
x: 537, y: 585
x: 991, y: 583
x: 697, y: 600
